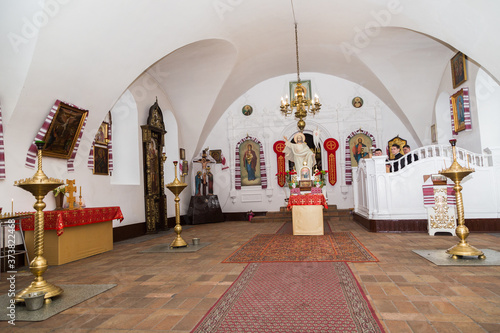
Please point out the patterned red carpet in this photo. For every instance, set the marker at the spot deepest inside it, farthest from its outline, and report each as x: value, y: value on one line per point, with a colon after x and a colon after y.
x: 336, y: 246
x: 292, y: 297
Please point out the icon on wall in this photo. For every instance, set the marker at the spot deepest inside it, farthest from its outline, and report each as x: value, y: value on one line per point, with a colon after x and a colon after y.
x: 247, y: 110
x: 357, y: 102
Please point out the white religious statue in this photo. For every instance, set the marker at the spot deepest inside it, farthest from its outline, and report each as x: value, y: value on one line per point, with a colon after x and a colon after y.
x: 299, y: 152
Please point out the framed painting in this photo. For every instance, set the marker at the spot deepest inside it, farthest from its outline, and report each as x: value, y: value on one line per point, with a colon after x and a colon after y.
x: 101, y: 161
x: 307, y: 86
x: 182, y: 154
x: 63, y: 131
x: 433, y: 134
x: 359, y: 146
x: 102, y: 134
x: 250, y: 163
x: 458, y: 69
x: 216, y: 155
x: 458, y: 105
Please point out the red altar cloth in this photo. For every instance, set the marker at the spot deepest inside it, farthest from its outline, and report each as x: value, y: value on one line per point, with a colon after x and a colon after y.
x: 59, y: 219
x: 307, y: 199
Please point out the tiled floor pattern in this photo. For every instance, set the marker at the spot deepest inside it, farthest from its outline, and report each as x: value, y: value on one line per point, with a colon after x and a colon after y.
x: 171, y: 292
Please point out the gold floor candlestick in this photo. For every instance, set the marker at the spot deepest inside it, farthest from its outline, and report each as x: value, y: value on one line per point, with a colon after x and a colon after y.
x: 456, y: 173
x: 176, y: 188
x: 39, y: 185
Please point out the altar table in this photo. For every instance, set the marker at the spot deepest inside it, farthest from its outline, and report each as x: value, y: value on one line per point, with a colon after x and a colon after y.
x: 307, y: 213
x: 74, y: 234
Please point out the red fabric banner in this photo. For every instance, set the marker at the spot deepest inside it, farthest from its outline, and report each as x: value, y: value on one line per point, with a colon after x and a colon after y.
x: 59, y: 219
x: 331, y: 145
x: 280, y: 155
x: 307, y: 199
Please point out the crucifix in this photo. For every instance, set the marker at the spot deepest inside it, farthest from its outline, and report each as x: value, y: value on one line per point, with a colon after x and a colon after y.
x: 204, y: 163
x: 71, y: 189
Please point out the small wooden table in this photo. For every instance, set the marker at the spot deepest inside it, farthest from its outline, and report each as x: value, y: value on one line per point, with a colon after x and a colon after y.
x: 307, y: 213
x: 74, y: 234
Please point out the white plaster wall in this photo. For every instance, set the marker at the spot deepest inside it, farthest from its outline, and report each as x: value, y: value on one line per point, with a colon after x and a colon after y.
x: 125, y: 139
x: 488, y: 107
x: 337, y: 119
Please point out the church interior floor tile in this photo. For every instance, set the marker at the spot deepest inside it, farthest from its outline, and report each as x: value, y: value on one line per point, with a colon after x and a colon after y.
x: 171, y: 292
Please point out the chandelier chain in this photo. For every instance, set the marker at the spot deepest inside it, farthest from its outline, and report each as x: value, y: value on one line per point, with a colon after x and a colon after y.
x: 297, y: 52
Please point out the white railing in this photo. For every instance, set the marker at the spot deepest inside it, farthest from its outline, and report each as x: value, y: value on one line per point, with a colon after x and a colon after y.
x: 398, y: 195
x: 464, y: 157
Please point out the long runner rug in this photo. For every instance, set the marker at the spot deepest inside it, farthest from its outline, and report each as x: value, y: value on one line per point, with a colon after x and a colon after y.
x: 292, y: 298
x: 336, y: 246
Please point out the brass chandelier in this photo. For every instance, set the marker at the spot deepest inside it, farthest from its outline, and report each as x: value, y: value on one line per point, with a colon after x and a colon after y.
x: 299, y: 104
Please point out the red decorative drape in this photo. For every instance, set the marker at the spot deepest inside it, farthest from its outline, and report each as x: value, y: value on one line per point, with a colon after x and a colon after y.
x: 60, y: 219
x: 331, y: 145
x: 278, y: 148
x: 307, y: 200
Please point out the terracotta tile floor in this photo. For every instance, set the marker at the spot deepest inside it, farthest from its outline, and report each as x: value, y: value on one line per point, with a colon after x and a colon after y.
x: 171, y: 292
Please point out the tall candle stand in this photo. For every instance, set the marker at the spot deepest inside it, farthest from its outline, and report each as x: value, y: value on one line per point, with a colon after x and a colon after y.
x: 456, y: 173
x: 39, y: 185
x: 176, y: 188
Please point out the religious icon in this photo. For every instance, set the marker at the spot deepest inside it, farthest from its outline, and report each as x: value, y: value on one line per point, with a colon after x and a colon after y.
x: 216, y: 155
x: 359, y: 146
x: 210, y: 181
x: 357, y: 102
x: 458, y: 69
x: 100, y: 161
x: 197, y: 183
x: 154, y: 163
x: 102, y: 134
x: 458, y: 105
x: 250, y: 163
x: 64, y: 130
x: 305, y: 173
x: 247, y: 110
x: 306, y: 88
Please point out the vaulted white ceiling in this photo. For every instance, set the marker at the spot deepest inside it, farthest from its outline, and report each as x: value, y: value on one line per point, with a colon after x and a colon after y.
x: 206, y: 53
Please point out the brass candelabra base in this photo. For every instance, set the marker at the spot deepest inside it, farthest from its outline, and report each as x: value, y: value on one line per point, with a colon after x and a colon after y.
x: 38, y: 267
x: 463, y: 248
x: 178, y: 241
x: 457, y: 173
x: 176, y: 188
x: 39, y: 185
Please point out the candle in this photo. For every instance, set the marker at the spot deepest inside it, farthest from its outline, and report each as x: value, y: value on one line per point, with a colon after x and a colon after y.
x: 12, y: 206
x: 80, y: 191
